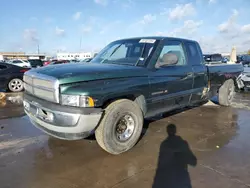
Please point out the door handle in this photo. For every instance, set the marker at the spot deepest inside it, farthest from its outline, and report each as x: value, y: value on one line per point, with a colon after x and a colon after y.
x: 190, y: 74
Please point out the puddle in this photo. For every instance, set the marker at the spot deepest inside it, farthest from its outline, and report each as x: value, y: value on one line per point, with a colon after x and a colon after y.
x: 11, y: 106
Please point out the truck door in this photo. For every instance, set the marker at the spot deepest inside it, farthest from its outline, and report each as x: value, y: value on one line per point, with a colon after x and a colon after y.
x: 196, y: 60
x: 171, y: 85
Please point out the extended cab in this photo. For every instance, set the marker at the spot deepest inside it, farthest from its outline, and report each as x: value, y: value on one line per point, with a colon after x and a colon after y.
x: 129, y: 80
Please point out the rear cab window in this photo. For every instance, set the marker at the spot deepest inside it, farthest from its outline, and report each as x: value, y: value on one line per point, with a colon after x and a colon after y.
x: 194, y: 53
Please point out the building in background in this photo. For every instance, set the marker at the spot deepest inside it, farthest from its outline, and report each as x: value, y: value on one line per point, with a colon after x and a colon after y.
x: 72, y: 56
x: 20, y: 55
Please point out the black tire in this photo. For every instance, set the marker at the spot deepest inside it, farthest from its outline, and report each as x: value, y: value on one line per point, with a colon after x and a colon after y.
x: 226, y: 93
x: 15, y: 85
x: 106, y: 133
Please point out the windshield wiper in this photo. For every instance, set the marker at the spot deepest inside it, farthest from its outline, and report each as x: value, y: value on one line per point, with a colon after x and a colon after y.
x: 116, y: 49
x: 115, y: 63
x: 112, y: 52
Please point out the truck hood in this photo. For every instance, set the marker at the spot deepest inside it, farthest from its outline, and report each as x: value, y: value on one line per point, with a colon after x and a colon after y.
x: 78, y: 72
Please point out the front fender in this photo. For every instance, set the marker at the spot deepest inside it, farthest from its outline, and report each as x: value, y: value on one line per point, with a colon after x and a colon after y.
x: 105, y: 90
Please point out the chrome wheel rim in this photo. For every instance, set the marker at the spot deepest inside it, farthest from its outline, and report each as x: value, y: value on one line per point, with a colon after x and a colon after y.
x: 16, y: 85
x: 125, y: 127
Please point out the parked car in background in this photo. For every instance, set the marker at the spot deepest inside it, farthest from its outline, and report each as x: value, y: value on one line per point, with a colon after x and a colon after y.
x: 74, y: 61
x: 244, y: 78
x: 59, y: 62
x: 11, y: 77
x: 243, y: 59
x: 225, y: 59
x: 1, y: 58
x: 86, y: 60
x: 129, y: 80
x: 35, y: 63
x: 213, y: 58
x: 26, y: 61
x: 48, y: 62
x: 19, y: 62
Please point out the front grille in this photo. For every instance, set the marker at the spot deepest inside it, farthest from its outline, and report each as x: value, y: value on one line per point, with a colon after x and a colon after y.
x: 44, y: 94
x: 28, y: 88
x: 43, y: 83
x: 41, y: 86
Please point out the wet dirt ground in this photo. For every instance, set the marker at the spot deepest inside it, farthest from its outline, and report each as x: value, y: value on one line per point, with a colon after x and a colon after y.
x: 210, y: 149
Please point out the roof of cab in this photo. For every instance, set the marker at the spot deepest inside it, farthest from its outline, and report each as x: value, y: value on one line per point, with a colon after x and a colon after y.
x: 158, y: 38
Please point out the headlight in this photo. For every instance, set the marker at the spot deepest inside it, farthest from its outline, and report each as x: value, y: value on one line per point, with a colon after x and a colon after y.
x: 70, y: 100
x: 77, y: 100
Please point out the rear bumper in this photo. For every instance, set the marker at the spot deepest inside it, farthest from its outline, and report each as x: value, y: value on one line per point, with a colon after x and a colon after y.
x: 61, y: 122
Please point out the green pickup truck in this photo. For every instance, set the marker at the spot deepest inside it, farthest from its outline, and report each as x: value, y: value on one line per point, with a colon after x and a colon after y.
x: 128, y: 81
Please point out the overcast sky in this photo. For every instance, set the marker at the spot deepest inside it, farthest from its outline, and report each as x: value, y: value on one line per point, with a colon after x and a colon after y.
x: 60, y: 24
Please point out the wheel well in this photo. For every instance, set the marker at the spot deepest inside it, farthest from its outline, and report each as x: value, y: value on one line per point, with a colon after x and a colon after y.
x: 139, y: 99
x: 235, y: 83
x: 214, y: 90
x: 234, y: 80
x: 109, y: 101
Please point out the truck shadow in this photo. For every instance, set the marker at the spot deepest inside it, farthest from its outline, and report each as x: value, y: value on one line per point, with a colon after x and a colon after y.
x: 174, y: 158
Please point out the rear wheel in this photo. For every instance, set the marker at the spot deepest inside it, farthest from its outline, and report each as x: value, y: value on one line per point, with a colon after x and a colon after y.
x: 15, y: 85
x: 226, y: 93
x: 121, y: 126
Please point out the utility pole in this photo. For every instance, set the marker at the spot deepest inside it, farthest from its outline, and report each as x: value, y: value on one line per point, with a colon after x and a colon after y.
x: 80, y: 44
x: 38, y: 50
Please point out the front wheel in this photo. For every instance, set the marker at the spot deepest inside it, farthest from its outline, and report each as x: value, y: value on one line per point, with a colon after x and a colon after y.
x: 15, y: 85
x: 120, y: 127
x: 226, y: 93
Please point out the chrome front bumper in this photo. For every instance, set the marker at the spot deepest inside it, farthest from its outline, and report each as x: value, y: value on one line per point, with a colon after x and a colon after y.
x: 63, y: 125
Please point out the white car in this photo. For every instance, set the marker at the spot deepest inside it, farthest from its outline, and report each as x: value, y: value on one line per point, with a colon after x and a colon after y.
x: 244, y: 79
x: 19, y: 62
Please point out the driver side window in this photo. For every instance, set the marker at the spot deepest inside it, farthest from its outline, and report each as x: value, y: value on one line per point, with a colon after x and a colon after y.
x: 173, y: 49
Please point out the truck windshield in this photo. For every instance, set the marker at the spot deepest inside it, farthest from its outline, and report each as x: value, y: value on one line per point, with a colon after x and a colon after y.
x: 126, y: 52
